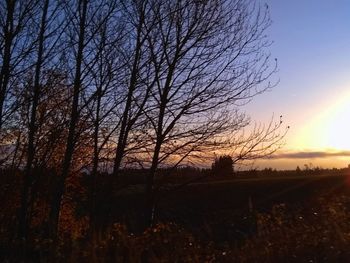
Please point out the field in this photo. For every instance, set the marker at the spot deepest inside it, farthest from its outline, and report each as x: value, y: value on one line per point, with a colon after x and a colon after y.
x: 197, y: 205
x: 274, y: 213
x: 289, y: 219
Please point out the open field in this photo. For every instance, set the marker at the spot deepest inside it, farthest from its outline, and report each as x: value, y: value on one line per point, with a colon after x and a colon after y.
x: 202, y: 203
x: 302, y: 218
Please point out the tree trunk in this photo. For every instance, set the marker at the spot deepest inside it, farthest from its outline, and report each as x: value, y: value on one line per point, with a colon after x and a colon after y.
x: 150, y: 194
x: 28, y: 179
x: 125, y: 126
x: 74, y: 116
x: 5, y: 69
x: 95, y: 162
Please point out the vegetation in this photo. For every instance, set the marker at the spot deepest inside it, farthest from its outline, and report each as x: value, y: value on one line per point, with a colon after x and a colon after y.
x: 108, y: 108
x: 293, y: 218
x: 223, y: 166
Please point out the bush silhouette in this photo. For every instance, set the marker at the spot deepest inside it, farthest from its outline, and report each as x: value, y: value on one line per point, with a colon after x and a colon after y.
x: 223, y: 166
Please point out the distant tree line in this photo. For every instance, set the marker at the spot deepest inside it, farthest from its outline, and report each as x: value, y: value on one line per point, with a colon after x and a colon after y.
x: 108, y: 85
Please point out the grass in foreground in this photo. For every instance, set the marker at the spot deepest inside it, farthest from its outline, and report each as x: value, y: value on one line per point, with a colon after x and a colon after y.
x: 314, y: 234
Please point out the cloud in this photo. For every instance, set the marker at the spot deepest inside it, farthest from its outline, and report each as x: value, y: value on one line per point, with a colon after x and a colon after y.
x: 309, y: 155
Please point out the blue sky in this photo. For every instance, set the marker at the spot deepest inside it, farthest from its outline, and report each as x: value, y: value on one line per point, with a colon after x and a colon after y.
x: 311, y: 40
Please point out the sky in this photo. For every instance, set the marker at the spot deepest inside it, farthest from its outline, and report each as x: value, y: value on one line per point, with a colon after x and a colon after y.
x: 311, y: 41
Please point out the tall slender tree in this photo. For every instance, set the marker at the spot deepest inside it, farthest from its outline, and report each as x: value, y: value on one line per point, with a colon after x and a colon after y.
x: 81, y: 10
x: 16, y: 47
x: 32, y: 123
x: 138, y: 74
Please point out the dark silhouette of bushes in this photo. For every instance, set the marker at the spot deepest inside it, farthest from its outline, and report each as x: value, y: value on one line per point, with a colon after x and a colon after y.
x: 223, y: 166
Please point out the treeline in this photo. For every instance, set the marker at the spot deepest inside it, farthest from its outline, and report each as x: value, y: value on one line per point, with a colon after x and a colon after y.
x: 102, y: 86
x: 269, y: 172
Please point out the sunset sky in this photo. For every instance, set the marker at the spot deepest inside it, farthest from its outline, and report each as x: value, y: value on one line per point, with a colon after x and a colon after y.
x: 312, y: 45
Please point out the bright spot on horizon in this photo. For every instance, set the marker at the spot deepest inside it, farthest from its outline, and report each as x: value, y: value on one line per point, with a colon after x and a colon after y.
x: 330, y: 129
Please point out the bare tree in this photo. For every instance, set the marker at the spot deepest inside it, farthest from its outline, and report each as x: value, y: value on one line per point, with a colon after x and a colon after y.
x: 153, y: 82
x: 208, y: 58
x: 50, y: 26
x: 105, y: 79
x: 137, y: 72
x: 16, y: 47
x: 260, y: 142
x: 31, y: 150
x: 81, y: 20
x: 88, y: 21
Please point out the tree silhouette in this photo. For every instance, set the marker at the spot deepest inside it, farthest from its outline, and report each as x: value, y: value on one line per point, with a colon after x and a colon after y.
x: 222, y: 166
x: 148, y: 84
